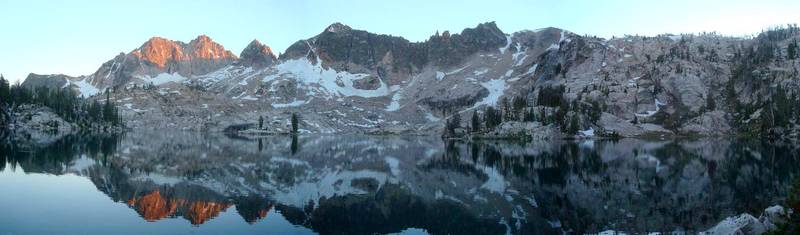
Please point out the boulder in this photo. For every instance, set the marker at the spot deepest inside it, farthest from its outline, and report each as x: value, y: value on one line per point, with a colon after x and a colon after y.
x: 746, y: 224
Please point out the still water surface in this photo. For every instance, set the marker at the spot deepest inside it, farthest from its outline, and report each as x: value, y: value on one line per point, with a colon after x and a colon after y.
x: 190, y: 183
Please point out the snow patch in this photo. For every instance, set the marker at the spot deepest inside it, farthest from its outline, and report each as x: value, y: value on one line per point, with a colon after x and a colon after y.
x: 652, y: 112
x: 587, y: 133
x: 163, y: 78
x: 563, y: 37
x: 632, y: 81
x: 531, y: 70
x: 292, y: 104
x: 439, y: 75
x: 394, y: 105
x: 480, y: 72
x: 290, y: 161
x: 431, y: 118
x: 496, y: 89
x: 86, y: 89
x: 328, y: 80
x: 248, y: 97
x: 508, y: 45
x: 516, y: 56
x: 457, y: 70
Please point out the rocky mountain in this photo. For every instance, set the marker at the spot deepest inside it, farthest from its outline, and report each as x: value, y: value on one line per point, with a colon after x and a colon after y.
x: 54, y: 81
x: 349, y: 80
x: 257, y: 55
x: 161, y: 60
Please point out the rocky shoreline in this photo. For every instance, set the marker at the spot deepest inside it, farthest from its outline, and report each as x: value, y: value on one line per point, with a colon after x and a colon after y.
x: 40, y: 124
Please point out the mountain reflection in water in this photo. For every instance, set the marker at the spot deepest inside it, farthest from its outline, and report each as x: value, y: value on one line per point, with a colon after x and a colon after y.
x: 376, y: 184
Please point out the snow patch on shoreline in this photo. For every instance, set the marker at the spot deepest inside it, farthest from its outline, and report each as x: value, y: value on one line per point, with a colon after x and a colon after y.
x: 587, y: 133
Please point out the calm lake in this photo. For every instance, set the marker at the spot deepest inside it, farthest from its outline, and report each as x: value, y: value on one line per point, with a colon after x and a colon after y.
x: 194, y: 183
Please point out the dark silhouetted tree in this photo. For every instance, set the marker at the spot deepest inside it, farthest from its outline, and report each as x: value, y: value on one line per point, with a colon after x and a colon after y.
x: 492, y: 117
x: 791, y: 51
x: 711, y: 105
x: 476, y: 121
x: 294, y: 123
x: 573, y: 125
x: 453, y: 123
x: 5, y: 91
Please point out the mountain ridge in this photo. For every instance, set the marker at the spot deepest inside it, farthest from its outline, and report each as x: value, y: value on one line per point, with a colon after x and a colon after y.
x: 359, y: 81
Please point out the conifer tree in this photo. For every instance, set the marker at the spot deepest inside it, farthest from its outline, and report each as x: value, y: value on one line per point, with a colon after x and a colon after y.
x: 476, y: 121
x: 294, y: 123
x: 5, y: 91
x: 711, y: 105
x: 791, y: 51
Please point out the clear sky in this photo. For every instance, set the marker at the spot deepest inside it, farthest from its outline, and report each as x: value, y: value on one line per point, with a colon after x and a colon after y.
x: 75, y: 37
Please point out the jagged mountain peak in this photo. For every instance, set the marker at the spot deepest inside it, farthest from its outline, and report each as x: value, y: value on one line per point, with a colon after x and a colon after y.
x: 488, y: 26
x: 337, y: 27
x: 204, y: 48
x: 203, y: 38
x: 256, y: 44
x: 484, y: 31
x: 157, y: 39
x: 159, y: 51
x: 257, y: 54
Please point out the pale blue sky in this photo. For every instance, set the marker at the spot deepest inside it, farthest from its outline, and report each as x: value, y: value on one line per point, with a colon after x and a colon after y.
x: 75, y: 37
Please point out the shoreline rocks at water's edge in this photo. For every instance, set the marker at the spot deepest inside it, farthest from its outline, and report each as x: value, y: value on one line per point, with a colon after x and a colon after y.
x: 747, y: 224
x: 41, y: 125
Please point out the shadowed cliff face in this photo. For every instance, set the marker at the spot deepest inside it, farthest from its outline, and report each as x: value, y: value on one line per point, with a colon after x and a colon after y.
x: 347, y: 49
x: 257, y: 55
x: 367, y: 185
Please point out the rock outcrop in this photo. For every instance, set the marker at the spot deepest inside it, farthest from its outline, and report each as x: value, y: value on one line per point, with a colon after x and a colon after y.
x: 39, y: 124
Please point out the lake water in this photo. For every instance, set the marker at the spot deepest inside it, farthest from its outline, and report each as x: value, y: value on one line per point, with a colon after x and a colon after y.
x: 192, y: 183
